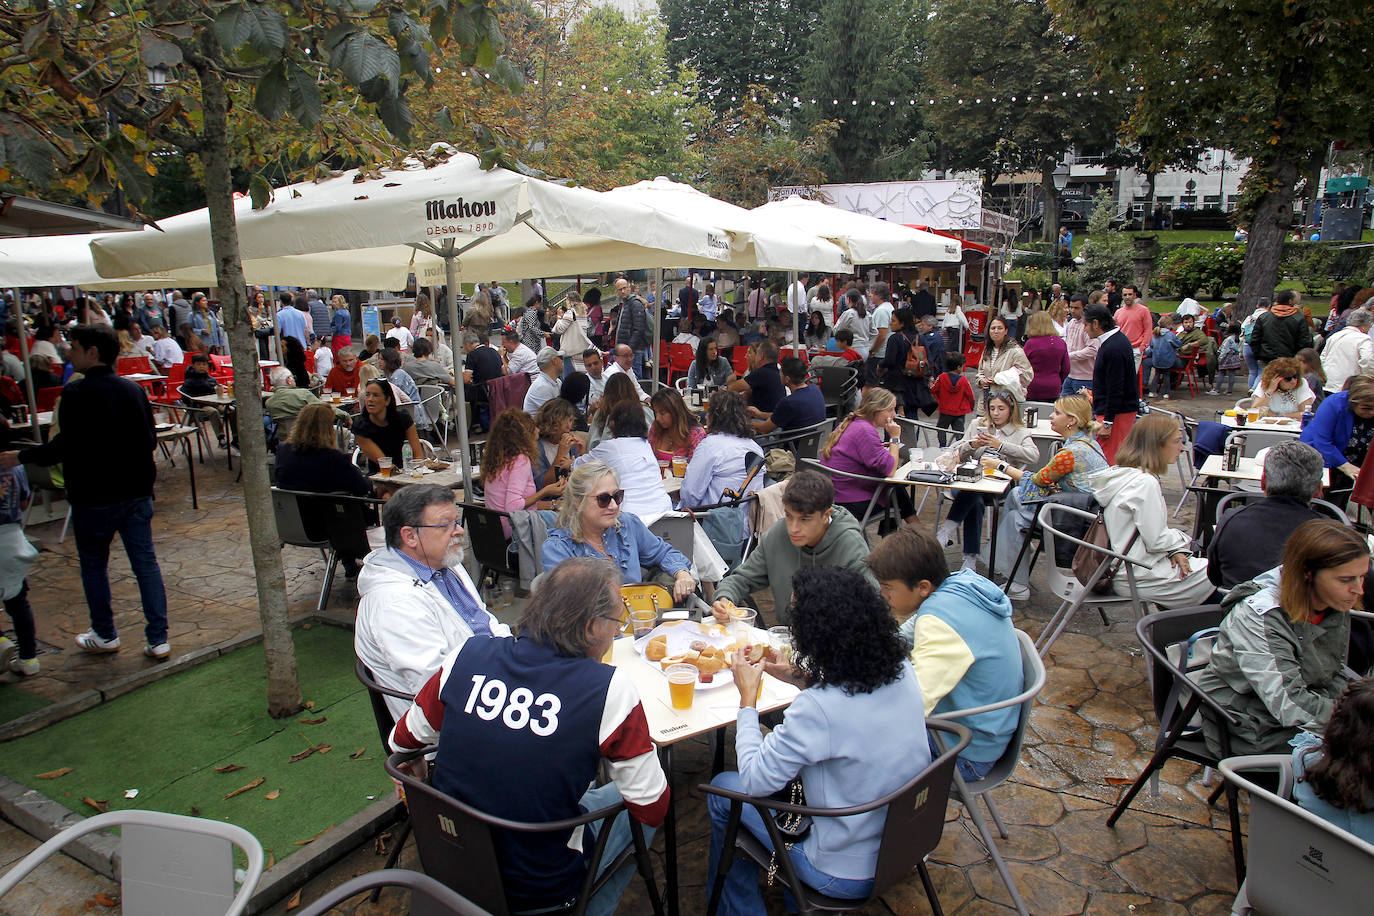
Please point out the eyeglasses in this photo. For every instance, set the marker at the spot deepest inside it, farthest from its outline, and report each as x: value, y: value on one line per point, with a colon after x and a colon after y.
x: 604, y: 499
x: 448, y: 526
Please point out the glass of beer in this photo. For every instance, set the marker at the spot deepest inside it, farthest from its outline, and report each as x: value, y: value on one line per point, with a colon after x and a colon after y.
x: 679, y: 467
x: 663, y: 469
x: 682, y: 685
x: 384, y: 466
x: 336, y: 397
x: 1252, y: 415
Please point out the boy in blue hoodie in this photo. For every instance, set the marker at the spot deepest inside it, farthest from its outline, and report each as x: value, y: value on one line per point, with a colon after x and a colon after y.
x: 964, y: 647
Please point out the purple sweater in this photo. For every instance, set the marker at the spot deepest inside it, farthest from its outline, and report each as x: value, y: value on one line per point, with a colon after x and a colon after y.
x: 859, y: 451
x: 1049, y: 357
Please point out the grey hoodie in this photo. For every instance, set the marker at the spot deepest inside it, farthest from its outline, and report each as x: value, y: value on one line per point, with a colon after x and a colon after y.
x: 776, y: 559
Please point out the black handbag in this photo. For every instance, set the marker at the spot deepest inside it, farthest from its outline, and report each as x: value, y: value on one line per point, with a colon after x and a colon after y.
x: 794, y: 827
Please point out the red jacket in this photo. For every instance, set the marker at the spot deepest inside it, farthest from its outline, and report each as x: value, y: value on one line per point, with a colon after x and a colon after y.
x: 953, y: 394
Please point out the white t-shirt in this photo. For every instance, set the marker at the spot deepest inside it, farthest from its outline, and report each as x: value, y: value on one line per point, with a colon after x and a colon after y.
x: 167, y: 353
x: 402, y: 336
x: 324, y: 361
x: 882, y: 321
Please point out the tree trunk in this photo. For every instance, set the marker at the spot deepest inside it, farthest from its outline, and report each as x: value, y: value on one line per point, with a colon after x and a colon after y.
x: 283, y: 685
x: 1050, y: 224
x: 1273, y: 214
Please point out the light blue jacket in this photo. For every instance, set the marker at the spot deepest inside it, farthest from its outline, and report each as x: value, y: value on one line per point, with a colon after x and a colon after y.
x: 848, y: 750
x: 630, y: 544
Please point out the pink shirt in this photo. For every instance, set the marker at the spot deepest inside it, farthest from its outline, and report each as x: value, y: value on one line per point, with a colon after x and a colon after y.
x: 1137, y: 324
x: 509, y: 488
x: 1082, y: 350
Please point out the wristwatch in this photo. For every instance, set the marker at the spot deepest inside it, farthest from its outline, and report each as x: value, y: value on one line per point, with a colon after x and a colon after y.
x: 1002, y: 466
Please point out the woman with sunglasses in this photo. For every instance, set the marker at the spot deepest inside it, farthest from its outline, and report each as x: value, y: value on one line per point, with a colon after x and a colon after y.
x: 1282, y: 391
x: 590, y: 524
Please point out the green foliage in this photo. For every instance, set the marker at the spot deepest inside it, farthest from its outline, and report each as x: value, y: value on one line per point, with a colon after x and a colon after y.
x: 743, y: 156
x: 1034, y: 84
x: 1107, y: 252
x: 1209, y: 270
x: 738, y: 47
x: 882, y: 137
x: 1029, y: 277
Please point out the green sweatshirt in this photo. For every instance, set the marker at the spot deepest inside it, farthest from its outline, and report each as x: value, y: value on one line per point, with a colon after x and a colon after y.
x: 775, y: 560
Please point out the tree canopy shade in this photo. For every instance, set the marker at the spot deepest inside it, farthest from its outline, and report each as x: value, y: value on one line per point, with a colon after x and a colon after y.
x: 746, y: 154
x: 868, y: 85
x: 1038, y: 97
x: 79, y: 104
x: 733, y: 45
x: 1275, y: 81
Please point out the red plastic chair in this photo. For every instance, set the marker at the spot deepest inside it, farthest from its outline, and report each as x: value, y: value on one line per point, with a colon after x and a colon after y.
x: 47, y: 397
x: 130, y: 365
x: 799, y: 352
x: 680, y: 356
x: 175, y: 376
x: 739, y: 360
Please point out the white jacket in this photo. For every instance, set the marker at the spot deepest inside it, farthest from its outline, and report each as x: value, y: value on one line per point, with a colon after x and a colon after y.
x: 1348, y: 352
x: 405, y: 627
x: 1135, y: 503
x: 573, y: 341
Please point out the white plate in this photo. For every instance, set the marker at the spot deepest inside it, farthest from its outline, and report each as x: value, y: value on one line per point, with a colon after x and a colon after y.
x: 680, y: 637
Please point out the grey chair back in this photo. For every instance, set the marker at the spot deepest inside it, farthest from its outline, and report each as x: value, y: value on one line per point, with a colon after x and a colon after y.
x: 292, y: 526
x: 1300, y: 863
x: 427, y: 896
x: 678, y: 530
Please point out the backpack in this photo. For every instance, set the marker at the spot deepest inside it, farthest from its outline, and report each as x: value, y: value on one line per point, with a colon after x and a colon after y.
x: 1086, y: 561
x: 916, y: 362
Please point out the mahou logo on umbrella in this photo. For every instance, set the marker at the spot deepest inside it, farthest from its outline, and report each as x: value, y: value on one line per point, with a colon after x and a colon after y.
x: 458, y: 209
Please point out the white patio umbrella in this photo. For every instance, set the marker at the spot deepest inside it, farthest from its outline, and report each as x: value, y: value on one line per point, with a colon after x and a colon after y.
x: 866, y: 239
x: 65, y: 260
x: 437, y: 212
x: 763, y: 242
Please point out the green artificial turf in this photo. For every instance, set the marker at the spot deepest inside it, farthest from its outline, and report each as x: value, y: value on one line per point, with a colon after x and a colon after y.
x: 16, y: 702
x: 166, y: 738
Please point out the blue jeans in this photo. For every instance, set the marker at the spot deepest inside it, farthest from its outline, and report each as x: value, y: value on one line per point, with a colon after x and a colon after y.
x: 605, y: 902
x: 1253, y: 364
x: 638, y: 364
x: 94, y: 528
x: 968, y: 509
x: 1075, y: 385
x: 741, y: 895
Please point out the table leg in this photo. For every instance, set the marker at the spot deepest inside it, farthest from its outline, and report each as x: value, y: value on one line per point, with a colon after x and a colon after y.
x: 670, y: 891
x: 190, y: 466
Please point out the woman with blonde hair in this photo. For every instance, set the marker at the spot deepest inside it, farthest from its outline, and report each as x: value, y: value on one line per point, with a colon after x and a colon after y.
x: 999, y: 440
x: 1048, y: 356
x: 1279, y: 658
x: 857, y: 447
x: 310, y: 461
x: 1282, y: 391
x: 1069, y: 471
x: 1059, y: 313
x: 1137, y: 518
x: 127, y: 347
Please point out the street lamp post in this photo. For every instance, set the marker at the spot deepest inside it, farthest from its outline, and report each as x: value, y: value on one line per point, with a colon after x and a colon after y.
x: 1060, y: 177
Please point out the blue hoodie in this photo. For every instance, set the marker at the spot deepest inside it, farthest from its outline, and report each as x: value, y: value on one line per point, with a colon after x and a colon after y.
x: 966, y: 654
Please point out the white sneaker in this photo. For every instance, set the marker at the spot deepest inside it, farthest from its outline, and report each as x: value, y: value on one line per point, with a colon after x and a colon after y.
x: 1018, y: 592
x: 159, y: 652
x: 91, y: 642
x: 946, y: 533
x: 970, y: 561
x: 25, y: 667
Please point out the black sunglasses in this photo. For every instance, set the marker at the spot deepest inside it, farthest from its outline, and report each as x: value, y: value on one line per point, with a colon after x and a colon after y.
x: 604, y: 499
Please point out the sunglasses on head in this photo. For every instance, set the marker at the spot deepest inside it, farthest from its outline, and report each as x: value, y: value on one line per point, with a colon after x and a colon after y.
x: 604, y: 499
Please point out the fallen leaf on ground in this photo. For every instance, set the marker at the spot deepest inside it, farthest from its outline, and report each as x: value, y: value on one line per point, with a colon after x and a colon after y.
x: 228, y: 768
x: 309, y: 704
x: 296, y: 758
x: 1119, y: 780
x: 272, y: 796
x: 271, y: 860
x: 98, y: 804
x: 252, y: 785
x: 358, y: 753
x: 195, y: 812
x: 313, y: 838
x: 55, y: 774
x: 294, y: 902
x: 324, y: 748
x: 131, y: 793
x: 312, y: 721
x: 106, y: 900
x: 380, y: 846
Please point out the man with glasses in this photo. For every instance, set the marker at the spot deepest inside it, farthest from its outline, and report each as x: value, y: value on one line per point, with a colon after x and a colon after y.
x: 418, y: 603
x: 523, y: 726
x: 633, y: 327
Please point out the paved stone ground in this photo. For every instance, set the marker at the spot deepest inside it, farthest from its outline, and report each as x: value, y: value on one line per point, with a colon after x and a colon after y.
x: 1093, y: 730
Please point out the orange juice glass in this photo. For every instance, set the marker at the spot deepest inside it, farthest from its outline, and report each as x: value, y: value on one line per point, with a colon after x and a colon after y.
x: 682, y: 685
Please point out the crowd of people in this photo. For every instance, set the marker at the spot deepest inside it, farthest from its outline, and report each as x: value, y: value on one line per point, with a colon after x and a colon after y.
x: 880, y: 632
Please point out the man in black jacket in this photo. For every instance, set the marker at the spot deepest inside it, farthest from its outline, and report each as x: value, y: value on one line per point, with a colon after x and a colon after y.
x: 1282, y: 331
x: 633, y: 326
x: 105, y: 446
x: 1250, y: 540
x: 1116, y: 391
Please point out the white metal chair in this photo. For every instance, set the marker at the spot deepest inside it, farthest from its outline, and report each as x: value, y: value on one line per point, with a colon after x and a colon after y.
x: 1065, y: 585
x: 1299, y: 863
x: 1032, y: 682
x: 169, y: 863
x: 435, y: 400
